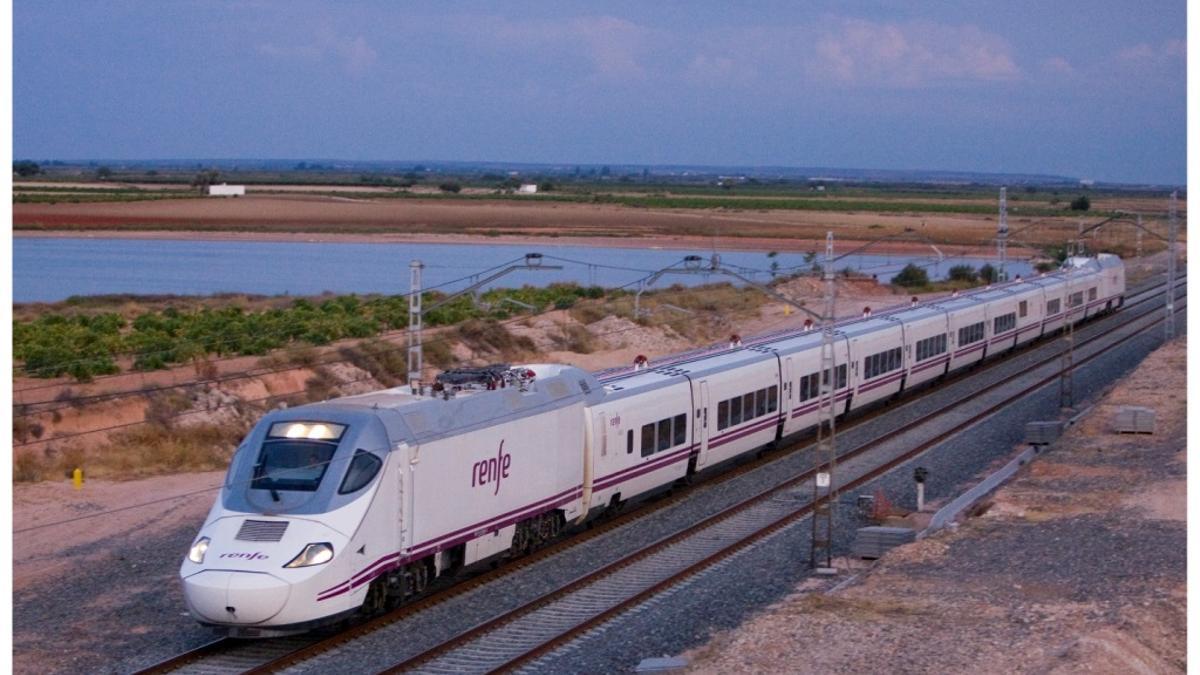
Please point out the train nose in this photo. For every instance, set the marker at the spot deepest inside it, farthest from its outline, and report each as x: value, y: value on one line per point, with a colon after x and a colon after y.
x: 235, y: 597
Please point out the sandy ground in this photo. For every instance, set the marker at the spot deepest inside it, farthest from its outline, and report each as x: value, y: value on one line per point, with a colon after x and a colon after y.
x: 38, y: 553
x: 1078, y: 566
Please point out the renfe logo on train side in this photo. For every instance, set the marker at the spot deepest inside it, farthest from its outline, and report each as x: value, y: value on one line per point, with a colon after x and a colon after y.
x: 491, y: 469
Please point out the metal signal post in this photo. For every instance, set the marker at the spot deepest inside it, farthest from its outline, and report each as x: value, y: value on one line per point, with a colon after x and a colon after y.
x: 1002, y: 236
x: 414, y: 325
x: 824, y: 486
x: 1172, y: 242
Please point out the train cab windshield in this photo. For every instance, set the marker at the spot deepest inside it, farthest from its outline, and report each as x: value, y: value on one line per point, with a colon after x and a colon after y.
x: 295, y: 456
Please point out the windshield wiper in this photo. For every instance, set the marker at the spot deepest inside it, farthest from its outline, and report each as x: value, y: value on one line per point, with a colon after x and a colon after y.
x: 258, y: 477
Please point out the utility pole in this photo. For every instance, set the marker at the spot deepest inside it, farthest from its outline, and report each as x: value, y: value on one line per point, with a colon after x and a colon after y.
x: 532, y: 261
x: 1172, y: 241
x: 1002, y: 235
x: 1139, y: 238
x: 824, y: 485
x: 1066, y: 380
x: 414, y: 326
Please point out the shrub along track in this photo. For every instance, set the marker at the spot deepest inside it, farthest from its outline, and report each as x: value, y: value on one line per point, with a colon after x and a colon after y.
x: 228, y: 655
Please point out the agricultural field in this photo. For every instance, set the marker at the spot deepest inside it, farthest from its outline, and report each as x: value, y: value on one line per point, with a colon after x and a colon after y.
x: 766, y: 214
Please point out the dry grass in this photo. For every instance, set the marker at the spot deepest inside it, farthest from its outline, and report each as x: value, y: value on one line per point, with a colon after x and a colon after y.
x: 386, y: 362
x: 321, y: 386
x: 141, y: 451
x: 576, y: 338
x: 494, y: 339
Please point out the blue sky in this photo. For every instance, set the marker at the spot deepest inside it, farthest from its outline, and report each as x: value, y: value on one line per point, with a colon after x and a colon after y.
x: 1089, y: 89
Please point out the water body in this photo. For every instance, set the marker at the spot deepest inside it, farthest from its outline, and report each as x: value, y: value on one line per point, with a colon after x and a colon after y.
x: 47, y: 269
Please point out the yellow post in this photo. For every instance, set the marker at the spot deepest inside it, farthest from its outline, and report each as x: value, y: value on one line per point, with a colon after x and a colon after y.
x: 787, y: 310
x: 77, y: 479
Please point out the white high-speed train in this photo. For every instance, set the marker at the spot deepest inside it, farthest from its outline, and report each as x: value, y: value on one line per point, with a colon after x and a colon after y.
x: 359, y: 502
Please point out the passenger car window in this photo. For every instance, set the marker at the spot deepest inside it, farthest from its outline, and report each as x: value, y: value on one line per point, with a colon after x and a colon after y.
x: 648, y: 439
x: 735, y: 410
x: 680, y: 429
x: 362, y: 469
x: 722, y: 415
x: 664, y: 434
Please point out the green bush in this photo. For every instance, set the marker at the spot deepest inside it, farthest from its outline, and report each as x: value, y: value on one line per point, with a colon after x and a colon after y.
x: 911, y: 277
x: 962, y: 273
x: 86, y: 345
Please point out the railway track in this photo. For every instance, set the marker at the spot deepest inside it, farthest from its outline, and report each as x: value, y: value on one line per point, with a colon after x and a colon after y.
x: 537, y: 627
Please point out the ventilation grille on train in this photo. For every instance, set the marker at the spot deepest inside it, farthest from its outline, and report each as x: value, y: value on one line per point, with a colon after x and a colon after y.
x: 262, y: 530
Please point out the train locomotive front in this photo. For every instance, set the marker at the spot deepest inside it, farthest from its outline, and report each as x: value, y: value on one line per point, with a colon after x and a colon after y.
x: 287, y: 522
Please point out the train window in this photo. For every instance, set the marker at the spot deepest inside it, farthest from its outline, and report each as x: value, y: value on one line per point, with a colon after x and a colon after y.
x: 664, y: 434
x: 362, y: 469
x: 292, y: 465
x: 839, y: 377
x: 931, y: 347
x: 1092, y: 293
x: 883, y: 362
x: 808, y: 387
x: 1052, y: 306
x: 1004, y: 323
x: 969, y: 334
x: 735, y: 410
x: 772, y: 398
x: 1023, y: 308
x: 722, y: 415
x: 1076, y: 299
x: 748, y: 406
x: 647, y: 439
x: 629, y: 442
x: 680, y: 430
x: 760, y: 403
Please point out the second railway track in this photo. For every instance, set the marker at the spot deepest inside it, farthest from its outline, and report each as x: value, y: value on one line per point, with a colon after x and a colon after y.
x: 531, y: 629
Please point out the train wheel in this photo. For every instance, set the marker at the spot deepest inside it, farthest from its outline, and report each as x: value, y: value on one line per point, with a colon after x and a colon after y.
x: 420, y: 577
x: 521, y: 539
x: 377, y: 597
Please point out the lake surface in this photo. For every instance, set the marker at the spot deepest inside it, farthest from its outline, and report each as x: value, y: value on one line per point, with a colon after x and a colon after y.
x: 47, y: 269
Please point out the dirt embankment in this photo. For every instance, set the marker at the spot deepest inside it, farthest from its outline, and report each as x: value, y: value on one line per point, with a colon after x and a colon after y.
x: 187, y: 418
x: 1078, y: 566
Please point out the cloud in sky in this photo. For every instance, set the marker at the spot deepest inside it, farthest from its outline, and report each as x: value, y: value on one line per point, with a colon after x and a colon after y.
x: 970, y: 85
x: 1162, y: 53
x: 612, y: 46
x: 861, y: 52
x: 1057, y: 65
x: 353, y: 54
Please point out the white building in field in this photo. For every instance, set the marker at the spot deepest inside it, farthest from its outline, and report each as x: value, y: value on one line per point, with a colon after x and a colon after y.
x: 224, y: 190
x: 527, y: 189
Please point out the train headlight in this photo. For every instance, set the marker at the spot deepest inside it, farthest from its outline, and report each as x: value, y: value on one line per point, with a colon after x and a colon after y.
x: 313, y: 554
x: 196, y: 553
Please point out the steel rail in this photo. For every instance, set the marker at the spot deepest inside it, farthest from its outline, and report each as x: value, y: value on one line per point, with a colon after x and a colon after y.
x: 459, y: 587
x: 659, y: 545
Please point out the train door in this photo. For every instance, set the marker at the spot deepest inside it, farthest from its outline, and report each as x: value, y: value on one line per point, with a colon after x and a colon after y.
x: 785, y: 396
x: 701, y: 425
x: 401, y: 495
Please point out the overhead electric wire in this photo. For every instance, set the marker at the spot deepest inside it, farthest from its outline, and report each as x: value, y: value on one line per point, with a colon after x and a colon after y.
x: 224, y: 484
x: 245, y: 375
